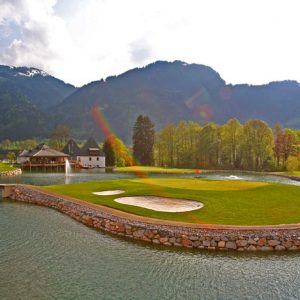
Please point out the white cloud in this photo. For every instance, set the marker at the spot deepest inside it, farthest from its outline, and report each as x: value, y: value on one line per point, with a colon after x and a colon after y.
x: 246, y: 41
x: 140, y: 51
x: 42, y: 32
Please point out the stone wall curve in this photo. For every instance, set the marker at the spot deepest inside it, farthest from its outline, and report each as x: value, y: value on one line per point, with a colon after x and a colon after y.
x: 270, y: 238
x: 15, y: 172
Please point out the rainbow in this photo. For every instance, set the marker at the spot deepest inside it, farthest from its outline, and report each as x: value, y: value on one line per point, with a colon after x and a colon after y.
x: 118, y: 146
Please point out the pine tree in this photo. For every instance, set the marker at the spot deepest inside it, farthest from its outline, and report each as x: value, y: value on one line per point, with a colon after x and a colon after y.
x: 110, y: 159
x: 143, y: 140
x: 59, y: 137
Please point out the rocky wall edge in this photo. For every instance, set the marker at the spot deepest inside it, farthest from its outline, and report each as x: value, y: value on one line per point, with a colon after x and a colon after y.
x: 15, y: 172
x: 168, y: 235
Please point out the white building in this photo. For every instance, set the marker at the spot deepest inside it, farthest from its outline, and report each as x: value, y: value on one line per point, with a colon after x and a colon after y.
x: 91, y: 156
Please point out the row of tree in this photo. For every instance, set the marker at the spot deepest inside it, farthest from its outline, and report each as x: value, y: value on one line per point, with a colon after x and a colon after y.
x: 57, y: 140
x: 17, y: 145
x: 252, y: 146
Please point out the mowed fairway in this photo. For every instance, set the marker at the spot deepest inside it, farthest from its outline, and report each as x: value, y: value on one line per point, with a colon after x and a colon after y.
x: 4, y: 167
x: 143, y: 169
x: 225, y: 202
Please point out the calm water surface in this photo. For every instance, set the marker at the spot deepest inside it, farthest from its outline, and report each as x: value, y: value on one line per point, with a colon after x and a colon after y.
x: 46, y: 255
x: 247, y: 177
x: 60, y: 178
x: 100, y: 174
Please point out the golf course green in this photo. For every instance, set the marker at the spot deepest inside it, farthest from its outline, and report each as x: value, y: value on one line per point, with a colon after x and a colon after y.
x: 158, y: 170
x: 4, y: 167
x: 231, y: 202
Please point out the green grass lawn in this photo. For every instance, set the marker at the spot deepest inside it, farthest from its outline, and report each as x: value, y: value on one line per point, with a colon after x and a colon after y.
x: 145, y: 169
x: 6, y: 167
x: 294, y: 173
x: 226, y: 202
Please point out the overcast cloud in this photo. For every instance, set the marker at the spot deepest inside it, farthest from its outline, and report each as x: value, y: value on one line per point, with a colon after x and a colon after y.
x: 140, y: 51
x: 252, y: 41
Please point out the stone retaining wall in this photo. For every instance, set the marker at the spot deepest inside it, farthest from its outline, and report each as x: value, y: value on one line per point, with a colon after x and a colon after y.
x: 11, y: 173
x: 168, y: 235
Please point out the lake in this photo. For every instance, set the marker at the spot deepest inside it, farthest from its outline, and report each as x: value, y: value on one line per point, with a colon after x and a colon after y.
x: 100, y: 174
x: 46, y: 255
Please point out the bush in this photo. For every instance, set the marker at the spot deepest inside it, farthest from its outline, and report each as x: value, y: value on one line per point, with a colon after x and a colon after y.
x: 293, y: 163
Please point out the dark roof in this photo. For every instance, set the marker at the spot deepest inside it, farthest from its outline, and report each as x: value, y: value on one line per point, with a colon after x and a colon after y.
x: 23, y: 153
x: 43, y: 150
x: 71, y: 148
x: 91, y: 144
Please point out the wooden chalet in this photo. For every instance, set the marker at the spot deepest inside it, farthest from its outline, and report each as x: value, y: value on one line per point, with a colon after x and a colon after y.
x: 42, y: 158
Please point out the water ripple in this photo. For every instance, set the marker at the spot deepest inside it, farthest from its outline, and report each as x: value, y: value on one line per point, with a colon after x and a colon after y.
x: 46, y: 255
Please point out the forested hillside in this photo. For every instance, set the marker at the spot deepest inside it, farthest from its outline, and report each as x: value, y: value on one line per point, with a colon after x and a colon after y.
x: 171, y: 92
x: 42, y: 89
x: 27, y: 96
x: 166, y: 92
x: 19, y: 118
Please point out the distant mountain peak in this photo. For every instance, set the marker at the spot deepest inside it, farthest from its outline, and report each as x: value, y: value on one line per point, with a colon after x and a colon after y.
x: 22, y: 71
x: 32, y: 72
x: 40, y: 88
x: 170, y: 69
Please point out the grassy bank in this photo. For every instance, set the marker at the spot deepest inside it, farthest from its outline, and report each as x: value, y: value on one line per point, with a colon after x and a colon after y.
x: 226, y: 202
x: 145, y: 169
x: 4, y: 167
x: 294, y: 173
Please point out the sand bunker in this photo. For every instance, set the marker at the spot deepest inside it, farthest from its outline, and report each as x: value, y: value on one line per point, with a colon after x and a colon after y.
x: 109, y: 193
x: 234, y: 177
x: 161, y: 204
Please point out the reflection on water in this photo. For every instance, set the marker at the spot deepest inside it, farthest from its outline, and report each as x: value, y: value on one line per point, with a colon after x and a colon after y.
x: 46, y: 255
x: 100, y: 174
x: 248, y: 177
x: 46, y: 178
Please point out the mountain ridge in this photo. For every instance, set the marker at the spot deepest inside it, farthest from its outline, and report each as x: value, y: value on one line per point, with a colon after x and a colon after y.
x: 174, y: 91
x: 168, y: 92
x: 43, y: 89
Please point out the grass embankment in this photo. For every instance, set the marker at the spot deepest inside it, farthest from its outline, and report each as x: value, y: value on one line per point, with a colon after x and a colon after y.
x: 293, y: 173
x: 226, y: 202
x: 145, y: 169
x: 4, y: 167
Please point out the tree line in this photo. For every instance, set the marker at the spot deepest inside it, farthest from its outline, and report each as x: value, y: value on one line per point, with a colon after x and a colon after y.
x: 250, y: 146
x: 187, y: 144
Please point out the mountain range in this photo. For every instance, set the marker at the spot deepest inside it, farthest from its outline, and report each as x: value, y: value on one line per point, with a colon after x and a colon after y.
x: 27, y: 96
x: 32, y: 102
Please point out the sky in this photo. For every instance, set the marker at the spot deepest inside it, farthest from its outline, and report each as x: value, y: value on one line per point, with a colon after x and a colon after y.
x: 79, y: 41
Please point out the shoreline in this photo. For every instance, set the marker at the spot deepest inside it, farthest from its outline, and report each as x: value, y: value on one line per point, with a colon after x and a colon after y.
x: 10, y: 173
x: 210, y: 171
x: 163, y: 232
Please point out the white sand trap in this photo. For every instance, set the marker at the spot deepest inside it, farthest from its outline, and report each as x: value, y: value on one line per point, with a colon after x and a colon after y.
x: 161, y: 204
x: 234, y: 177
x: 109, y: 193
